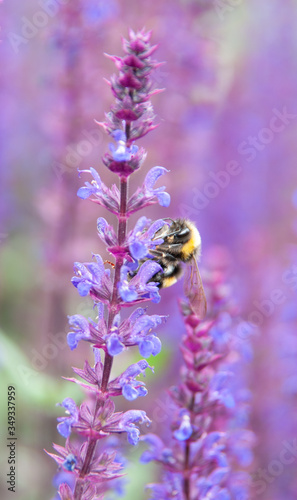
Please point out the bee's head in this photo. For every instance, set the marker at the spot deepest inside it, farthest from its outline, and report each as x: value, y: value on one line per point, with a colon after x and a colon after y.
x: 179, y: 231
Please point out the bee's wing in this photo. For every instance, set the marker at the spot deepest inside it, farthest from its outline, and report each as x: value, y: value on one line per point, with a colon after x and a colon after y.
x: 194, y: 290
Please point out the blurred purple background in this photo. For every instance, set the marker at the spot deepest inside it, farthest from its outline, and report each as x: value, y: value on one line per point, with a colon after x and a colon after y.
x: 228, y: 123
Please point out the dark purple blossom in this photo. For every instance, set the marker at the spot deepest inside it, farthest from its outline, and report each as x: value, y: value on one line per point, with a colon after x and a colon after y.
x: 95, y: 333
x: 114, y: 345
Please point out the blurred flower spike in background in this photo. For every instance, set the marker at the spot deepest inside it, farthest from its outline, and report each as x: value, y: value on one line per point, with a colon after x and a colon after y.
x: 200, y: 462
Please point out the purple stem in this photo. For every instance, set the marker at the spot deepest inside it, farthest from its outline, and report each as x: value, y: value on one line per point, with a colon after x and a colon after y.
x: 114, y: 306
x: 186, y: 471
x: 187, y: 489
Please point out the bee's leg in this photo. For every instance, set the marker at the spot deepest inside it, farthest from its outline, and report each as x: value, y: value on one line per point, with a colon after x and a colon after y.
x: 157, y: 253
x: 162, y: 255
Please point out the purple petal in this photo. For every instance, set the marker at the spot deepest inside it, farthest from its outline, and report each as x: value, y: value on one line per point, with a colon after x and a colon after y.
x: 152, y: 177
x: 150, y: 345
x: 84, y: 192
x: 114, y: 346
x: 138, y: 250
x: 218, y: 475
x: 118, y: 135
x: 129, y: 392
x: 83, y: 288
x: 69, y: 406
x: 158, y: 224
x: 64, y: 428
x: 164, y: 199
x: 185, y: 429
x: 147, y: 271
x: 140, y: 225
x: 127, y: 293
x: 72, y: 340
x: 101, y: 225
x: 96, y: 177
x: 133, y: 436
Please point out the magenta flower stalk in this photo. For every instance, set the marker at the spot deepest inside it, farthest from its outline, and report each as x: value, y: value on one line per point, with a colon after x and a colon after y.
x: 95, y: 471
x: 208, y: 443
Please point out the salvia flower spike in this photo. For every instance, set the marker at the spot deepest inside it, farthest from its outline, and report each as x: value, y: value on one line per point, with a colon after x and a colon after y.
x: 207, y: 448
x: 96, y: 468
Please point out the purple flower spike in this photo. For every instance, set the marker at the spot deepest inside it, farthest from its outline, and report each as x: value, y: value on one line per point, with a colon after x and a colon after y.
x: 147, y: 194
x: 202, y: 460
x: 93, y: 463
x: 64, y: 427
x: 127, y: 424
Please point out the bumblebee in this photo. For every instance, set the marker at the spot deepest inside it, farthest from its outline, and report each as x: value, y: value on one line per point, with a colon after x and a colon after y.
x: 181, y: 244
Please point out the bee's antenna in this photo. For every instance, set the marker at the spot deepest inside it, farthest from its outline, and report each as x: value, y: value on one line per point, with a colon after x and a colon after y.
x: 168, y: 218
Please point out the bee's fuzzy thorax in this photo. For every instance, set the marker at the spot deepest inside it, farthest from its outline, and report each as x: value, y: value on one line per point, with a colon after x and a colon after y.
x: 192, y: 247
